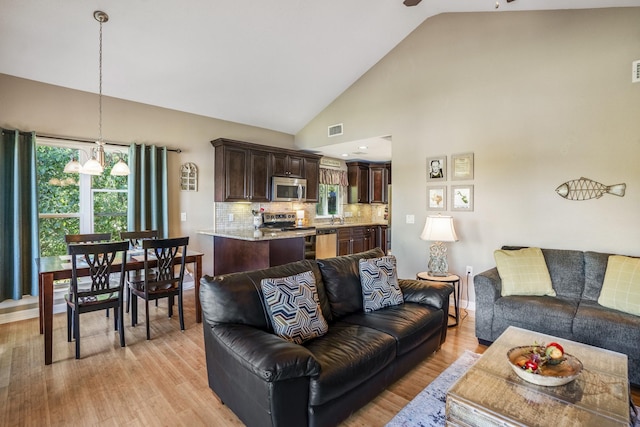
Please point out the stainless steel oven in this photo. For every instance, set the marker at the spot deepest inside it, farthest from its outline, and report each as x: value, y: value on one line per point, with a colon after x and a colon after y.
x: 288, y: 189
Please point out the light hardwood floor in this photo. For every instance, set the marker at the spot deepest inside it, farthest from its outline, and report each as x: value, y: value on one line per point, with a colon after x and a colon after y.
x: 157, y: 382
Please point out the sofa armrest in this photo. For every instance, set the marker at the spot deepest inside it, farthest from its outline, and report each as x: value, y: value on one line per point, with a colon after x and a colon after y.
x: 265, y: 354
x: 435, y: 294
x: 488, y: 288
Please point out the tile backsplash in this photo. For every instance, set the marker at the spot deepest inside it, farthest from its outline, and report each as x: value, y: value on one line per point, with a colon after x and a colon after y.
x: 235, y: 216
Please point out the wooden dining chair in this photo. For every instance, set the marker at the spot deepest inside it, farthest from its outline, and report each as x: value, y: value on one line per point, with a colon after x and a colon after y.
x: 71, y: 239
x: 103, y: 293
x: 86, y: 238
x: 161, y: 281
x: 135, y: 239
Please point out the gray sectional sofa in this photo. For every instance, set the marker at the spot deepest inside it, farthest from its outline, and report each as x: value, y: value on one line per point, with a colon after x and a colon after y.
x: 574, y: 313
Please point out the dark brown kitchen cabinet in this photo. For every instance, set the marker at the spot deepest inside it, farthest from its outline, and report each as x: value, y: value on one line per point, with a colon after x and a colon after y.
x: 241, y: 174
x: 358, y: 176
x: 288, y: 165
x: 243, y: 171
x: 352, y: 240
x: 312, y: 175
x: 378, y: 181
x: 382, y: 236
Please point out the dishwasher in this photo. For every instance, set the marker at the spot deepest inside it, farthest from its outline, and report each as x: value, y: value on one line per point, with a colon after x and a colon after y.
x: 326, y: 243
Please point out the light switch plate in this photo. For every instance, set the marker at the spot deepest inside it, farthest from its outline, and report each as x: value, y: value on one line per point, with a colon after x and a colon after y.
x: 411, y: 219
x: 183, y: 216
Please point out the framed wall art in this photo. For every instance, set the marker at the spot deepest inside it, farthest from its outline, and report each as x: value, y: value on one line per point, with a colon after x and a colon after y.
x: 436, y: 198
x: 462, y: 198
x: 462, y: 166
x: 437, y: 168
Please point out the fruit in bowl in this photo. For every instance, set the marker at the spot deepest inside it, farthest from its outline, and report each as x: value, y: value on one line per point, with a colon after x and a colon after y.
x: 546, y: 365
x: 554, y: 353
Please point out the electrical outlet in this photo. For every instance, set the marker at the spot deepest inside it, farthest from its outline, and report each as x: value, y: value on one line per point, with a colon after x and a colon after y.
x: 411, y: 219
x: 230, y: 217
x: 469, y: 270
x: 183, y: 216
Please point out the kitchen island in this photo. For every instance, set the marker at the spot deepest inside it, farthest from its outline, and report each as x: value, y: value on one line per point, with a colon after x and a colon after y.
x: 247, y: 249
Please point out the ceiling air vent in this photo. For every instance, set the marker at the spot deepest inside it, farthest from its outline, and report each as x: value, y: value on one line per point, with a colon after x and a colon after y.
x: 335, y: 130
x: 635, y: 76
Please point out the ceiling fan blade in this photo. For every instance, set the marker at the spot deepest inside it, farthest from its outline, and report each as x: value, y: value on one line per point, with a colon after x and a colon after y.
x: 411, y: 2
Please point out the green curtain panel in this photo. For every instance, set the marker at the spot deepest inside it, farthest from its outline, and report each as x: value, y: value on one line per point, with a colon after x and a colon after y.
x: 148, y: 189
x: 19, y: 244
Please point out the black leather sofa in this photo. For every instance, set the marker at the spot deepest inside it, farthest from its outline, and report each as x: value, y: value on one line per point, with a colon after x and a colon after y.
x: 268, y: 381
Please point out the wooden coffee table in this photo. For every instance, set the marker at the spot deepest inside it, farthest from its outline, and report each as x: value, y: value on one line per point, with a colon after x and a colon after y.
x: 491, y: 394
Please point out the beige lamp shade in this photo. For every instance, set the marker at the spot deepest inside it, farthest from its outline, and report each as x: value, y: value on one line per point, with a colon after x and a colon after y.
x: 439, y: 229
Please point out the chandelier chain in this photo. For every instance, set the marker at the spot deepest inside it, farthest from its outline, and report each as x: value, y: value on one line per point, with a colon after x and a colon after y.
x: 100, y: 87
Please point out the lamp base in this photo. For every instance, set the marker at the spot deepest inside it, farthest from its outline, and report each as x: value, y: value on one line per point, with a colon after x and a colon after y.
x: 438, y: 265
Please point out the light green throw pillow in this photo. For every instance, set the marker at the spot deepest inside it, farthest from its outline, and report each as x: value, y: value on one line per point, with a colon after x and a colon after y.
x: 523, y: 272
x: 621, y: 286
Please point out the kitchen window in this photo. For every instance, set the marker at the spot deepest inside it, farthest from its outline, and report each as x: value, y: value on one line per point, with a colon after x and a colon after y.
x: 333, y: 185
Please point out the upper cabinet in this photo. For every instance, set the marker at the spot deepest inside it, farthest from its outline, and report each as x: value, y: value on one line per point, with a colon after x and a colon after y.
x: 241, y: 174
x: 368, y: 182
x: 243, y: 170
x: 358, y: 176
x: 289, y: 165
x: 312, y: 175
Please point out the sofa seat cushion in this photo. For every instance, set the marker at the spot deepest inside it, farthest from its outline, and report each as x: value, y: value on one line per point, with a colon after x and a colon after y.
x: 348, y: 355
x: 551, y: 315
x: 409, y: 323
x: 607, y: 328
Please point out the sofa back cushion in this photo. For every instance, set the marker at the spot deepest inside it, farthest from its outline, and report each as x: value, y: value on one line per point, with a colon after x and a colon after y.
x: 341, y: 277
x: 595, y: 266
x: 237, y: 297
x: 566, y: 269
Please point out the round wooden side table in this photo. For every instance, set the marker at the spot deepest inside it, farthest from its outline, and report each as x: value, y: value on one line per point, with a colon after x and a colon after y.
x: 454, y: 279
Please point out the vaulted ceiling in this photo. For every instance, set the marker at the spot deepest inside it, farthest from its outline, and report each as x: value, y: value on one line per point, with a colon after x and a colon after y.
x: 269, y: 63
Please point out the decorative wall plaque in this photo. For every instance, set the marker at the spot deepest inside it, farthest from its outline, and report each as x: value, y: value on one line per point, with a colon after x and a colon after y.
x: 189, y: 177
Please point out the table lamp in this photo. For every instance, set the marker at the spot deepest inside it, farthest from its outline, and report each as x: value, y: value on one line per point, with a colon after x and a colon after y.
x: 439, y: 229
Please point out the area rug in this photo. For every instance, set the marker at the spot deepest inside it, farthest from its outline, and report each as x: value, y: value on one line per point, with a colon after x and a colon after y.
x: 427, y: 409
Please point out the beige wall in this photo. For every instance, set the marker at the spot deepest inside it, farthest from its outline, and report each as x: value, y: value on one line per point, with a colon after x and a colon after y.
x: 29, y: 106
x: 540, y: 98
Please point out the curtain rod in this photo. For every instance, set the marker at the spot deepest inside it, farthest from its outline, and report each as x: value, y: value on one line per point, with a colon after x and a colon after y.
x: 90, y: 141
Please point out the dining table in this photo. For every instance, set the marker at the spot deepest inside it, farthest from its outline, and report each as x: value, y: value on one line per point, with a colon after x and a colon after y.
x: 58, y: 267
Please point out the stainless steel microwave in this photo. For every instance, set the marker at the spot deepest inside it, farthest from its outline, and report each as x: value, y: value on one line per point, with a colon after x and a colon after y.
x: 288, y: 189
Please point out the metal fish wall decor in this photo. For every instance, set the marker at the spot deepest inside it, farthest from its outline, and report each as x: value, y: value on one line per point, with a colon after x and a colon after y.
x: 585, y: 189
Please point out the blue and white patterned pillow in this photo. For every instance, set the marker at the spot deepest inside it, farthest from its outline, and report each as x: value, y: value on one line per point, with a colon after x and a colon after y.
x: 294, y: 307
x: 379, y: 282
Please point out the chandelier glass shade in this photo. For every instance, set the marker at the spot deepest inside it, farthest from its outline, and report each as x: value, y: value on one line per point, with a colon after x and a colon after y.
x: 95, y: 165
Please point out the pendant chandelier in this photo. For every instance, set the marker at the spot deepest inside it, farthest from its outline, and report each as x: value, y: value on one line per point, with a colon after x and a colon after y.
x: 95, y: 165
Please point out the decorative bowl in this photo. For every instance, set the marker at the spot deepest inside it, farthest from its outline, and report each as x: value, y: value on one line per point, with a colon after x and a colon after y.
x: 548, y: 375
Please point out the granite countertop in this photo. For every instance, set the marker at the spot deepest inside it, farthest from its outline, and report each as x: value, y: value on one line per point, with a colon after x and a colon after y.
x: 265, y: 234
x: 258, y: 235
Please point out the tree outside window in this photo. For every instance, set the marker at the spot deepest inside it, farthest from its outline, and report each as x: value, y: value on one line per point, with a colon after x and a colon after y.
x: 76, y: 203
